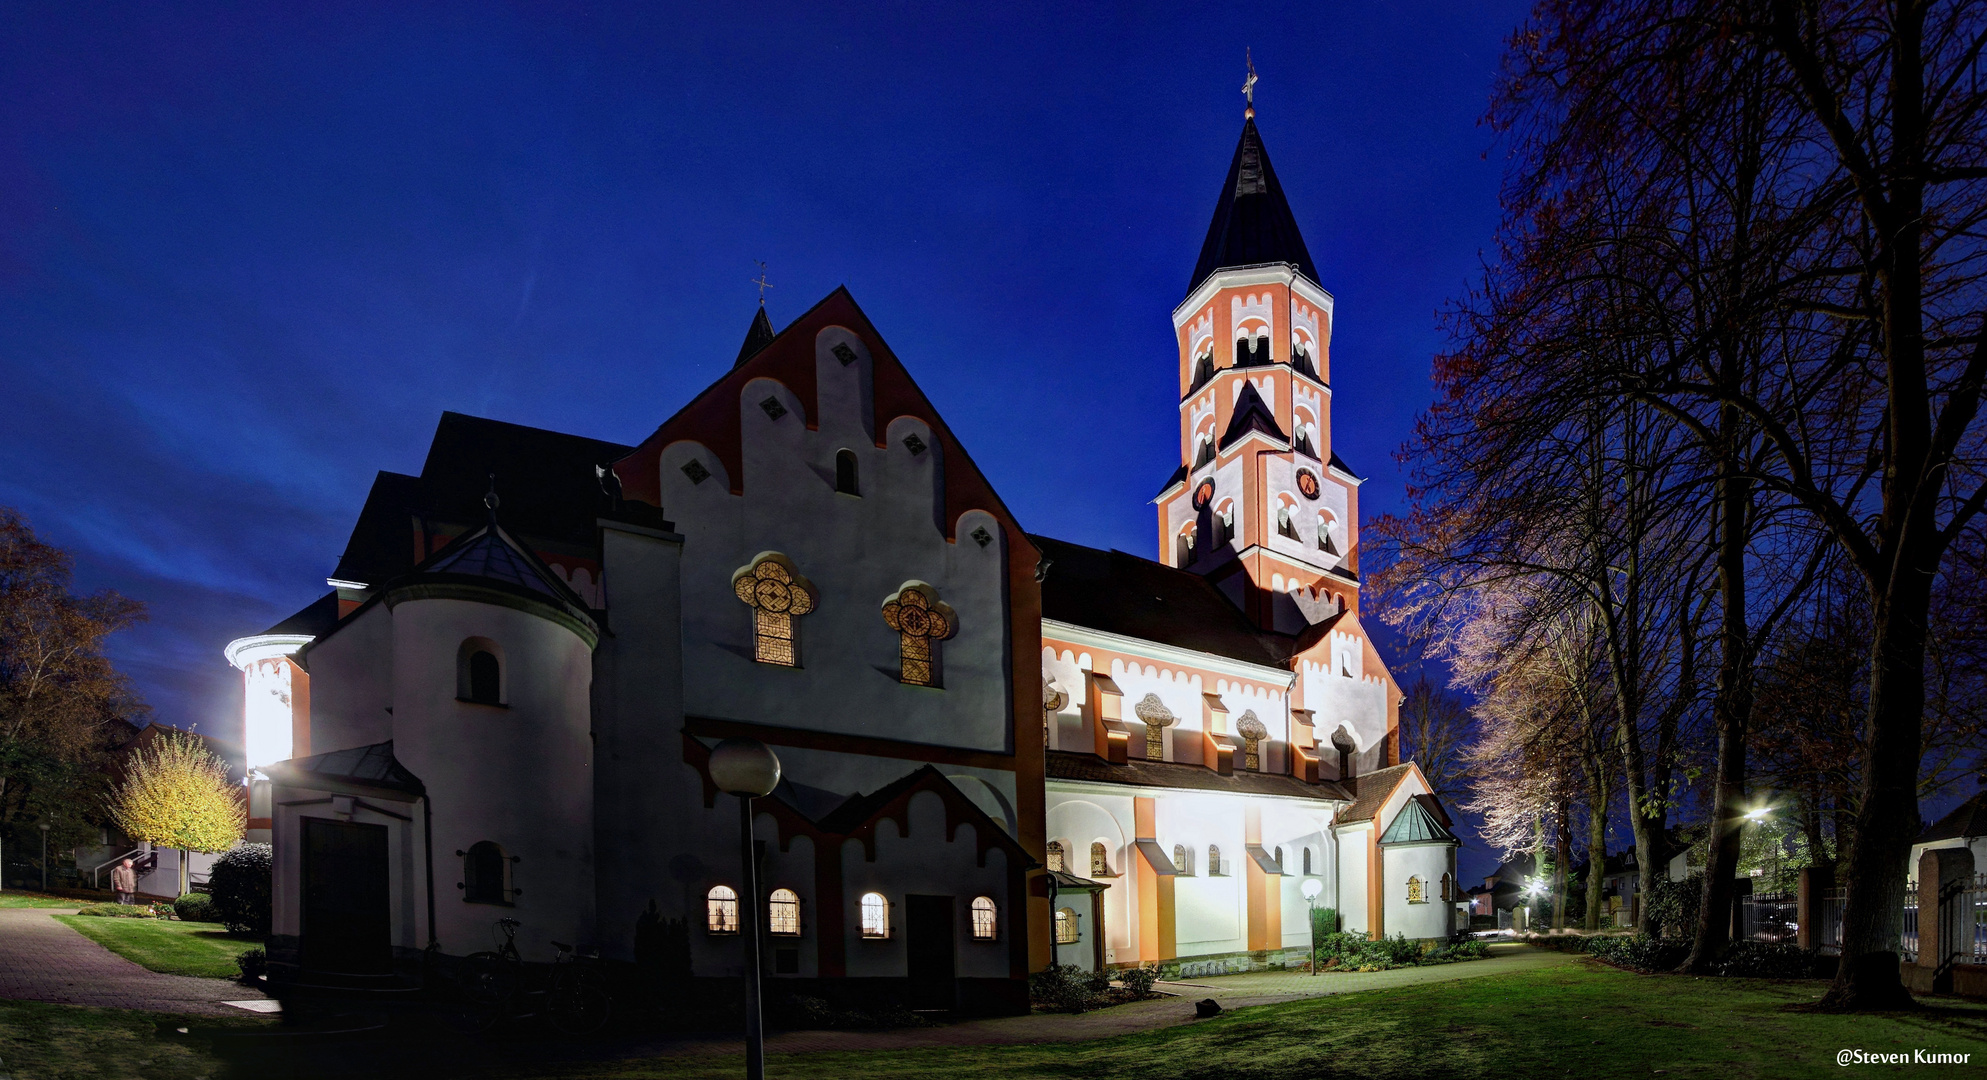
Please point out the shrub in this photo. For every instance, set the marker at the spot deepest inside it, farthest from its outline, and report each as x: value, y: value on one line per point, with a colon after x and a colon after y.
x: 1324, y: 921
x: 1138, y: 980
x: 1672, y: 907
x: 195, y: 907
x: 1640, y: 952
x: 1062, y: 988
x: 254, y: 963
x: 240, y: 889
x: 118, y: 911
x: 1767, y: 960
x: 1396, y: 951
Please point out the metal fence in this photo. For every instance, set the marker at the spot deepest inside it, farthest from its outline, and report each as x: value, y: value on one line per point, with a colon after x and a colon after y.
x: 1769, y: 917
x: 1907, y: 946
x: 1964, y: 911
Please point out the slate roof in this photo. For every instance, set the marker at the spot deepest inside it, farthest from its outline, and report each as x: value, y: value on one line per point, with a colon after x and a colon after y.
x: 1252, y: 220
x: 490, y: 554
x: 1339, y: 464
x: 1967, y: 819
x: 1251, y: 414
x: 1415, y: 825
x: 546, y: 479
x: 1070, y: 765
x: 371, y: 766
x: 315, y: 619
x: 1120, y: 593
x: 757, y: 336
x: 1372, y: 791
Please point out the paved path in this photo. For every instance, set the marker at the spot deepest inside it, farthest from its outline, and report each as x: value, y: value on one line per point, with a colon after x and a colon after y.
x: 1231, y: 991
x: 43, y: 960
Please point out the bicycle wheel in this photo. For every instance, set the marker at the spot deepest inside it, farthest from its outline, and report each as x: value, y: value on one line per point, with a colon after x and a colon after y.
x: 580, y: 1005
x: 488, y: 980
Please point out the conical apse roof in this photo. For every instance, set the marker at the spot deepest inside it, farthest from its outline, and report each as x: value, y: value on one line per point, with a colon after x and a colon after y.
x: 1252, y: 220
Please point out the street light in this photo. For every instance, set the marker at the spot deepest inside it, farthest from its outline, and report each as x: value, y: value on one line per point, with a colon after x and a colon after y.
x: 1311, y: 888
x: 748, y: 769
x: 1758, y: 813
x: 44, y: 856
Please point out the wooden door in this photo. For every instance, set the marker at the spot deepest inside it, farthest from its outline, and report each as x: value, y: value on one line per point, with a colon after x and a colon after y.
x: 347, y: 921
x: 930, y: 952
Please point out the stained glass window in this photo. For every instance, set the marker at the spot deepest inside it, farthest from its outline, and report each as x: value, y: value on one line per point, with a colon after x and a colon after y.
x: 875, y: 916
x: 921, y: 622
x: 983, y: 918
x: 777, y: 595
x: 721, y: 910
x: 783, y: 912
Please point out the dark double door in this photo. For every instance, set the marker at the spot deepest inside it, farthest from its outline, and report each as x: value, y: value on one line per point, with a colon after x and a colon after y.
x: 347, y: 921
x: 931, y: 952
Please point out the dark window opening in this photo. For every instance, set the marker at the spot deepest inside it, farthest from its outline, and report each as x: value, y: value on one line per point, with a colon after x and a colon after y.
x: 1205, y: 455
x: 483, y: 867
x: 845, y: 473
x: 485, y: 679
x: 1303, y: 443
x: 1203, y: 371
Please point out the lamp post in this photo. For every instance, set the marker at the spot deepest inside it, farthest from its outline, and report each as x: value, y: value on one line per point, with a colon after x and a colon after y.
x: 44, y: 856
x: 1311, y: 888
x: 748, y: 769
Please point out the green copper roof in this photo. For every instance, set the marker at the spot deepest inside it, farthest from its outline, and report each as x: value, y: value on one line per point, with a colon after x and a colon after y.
x: 1415, y: 825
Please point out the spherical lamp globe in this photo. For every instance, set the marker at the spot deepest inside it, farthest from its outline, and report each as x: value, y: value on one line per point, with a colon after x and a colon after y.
x: 1311, y: 888
x: 745, y: 767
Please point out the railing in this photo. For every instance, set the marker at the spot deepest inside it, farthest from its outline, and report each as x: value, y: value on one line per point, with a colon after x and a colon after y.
x: 1973, y: 906
x: 1907, y: 946
x: 143, y: 860
x: 1769, y: 917
x: 1828, y: 920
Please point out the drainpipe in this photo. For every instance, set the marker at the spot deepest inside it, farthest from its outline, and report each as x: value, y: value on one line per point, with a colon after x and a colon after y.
x: 428, y: 849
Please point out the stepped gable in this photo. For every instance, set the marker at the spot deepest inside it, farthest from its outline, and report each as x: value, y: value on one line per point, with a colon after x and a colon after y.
x: 712, y: 417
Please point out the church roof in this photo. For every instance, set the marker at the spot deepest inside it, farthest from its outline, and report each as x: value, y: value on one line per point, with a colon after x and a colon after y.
x: 1373, y: 790
x: 1415, y: 825
x: 371, y: 766
x: 1968, y: 819
x: 1251, y: 414
x: 1252, y: 220
x: 315, y: 619
x: 491, y: 554
x: 551, y: 492
x: 1120, y: 593
x: 1069, y: 765
x: 757, y: 336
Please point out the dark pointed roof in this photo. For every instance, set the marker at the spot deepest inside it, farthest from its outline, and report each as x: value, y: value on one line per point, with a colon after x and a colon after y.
x: 1251, y: 414
x: 1968, y: 819
x: 372, y: 766
x: 493, y: 554
x: 1252, y: 221
x: 1121, y: 593
x: 757, y: 336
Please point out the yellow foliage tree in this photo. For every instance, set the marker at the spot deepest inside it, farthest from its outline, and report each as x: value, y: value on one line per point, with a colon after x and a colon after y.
x: 177, y: 794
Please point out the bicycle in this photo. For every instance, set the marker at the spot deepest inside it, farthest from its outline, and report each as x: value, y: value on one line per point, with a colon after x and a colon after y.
x: 495, y: 985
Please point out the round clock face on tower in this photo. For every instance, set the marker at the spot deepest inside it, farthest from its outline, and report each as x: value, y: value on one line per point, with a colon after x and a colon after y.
x: 1307, y: 482
x: 1203, y: 494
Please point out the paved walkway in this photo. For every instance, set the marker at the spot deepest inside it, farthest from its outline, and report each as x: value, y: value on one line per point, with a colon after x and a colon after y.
x: 1231, y: 991
x: 43, y: 960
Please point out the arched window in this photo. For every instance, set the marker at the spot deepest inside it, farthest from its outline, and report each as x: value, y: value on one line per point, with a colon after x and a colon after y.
x: 479, y: 675
x: 783, y: 913
x: 984, y: 918
x: 1307, y: 862
x: 1203, y: 370
x: 1279, y: 860
x: 1286, y: 526
x: 1343, y: 743
x: 1224, y: 524
x: 1067, y: 931
x: 1186, y: 546
x: 1448, y: 888
x: 1253, y: 732
x: 1100, y: 860
x: 1416, y: 894
x: 921, y: 621
x: 777, y: 595
x: 721, y: 910
x: 1326, y: 523
x: 1213, y: 861
x: 845, y: 473
x: 875, y: 916
x: 1183, y: 860
x: 1204, y: 450
x: 485, y: 874
x: 1300, y: 358
x: 1056, y: 860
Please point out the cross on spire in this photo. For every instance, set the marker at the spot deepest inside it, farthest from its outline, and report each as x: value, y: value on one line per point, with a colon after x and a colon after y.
x: 761, y: 281
x: 1249, y: 85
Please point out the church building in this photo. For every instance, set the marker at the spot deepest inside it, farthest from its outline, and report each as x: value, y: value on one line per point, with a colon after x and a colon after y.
x: 999, y: 750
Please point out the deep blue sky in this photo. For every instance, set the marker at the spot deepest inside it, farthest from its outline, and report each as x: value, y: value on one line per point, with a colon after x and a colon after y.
x: 248, y: 254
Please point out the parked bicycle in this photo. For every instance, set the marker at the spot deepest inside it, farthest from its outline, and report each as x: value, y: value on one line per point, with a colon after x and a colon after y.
x: 498, y: 987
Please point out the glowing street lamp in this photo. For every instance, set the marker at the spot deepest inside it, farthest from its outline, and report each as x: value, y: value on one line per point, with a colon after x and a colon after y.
x: 1311, y: 888
x: 1759, y: 813
x: 748, y: 769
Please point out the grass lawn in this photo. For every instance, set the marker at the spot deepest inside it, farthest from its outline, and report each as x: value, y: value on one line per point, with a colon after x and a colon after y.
x: 14, y: 898
x: 70, y: 1042
x: 175, y: 948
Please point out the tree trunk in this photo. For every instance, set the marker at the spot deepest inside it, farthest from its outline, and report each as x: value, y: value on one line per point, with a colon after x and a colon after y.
x: 1597, y: 839
x: 185, y: 875
x: 1562, y: 860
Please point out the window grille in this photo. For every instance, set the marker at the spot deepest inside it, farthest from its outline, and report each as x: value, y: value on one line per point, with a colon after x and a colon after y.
x: 721, y: 910
x: 1253, y: 733
x: 921, y: 621
x: 1180, y: 860
x: 1307, y: 862
x: 984, y: 914
x: 1067, y: 931
x: 483, y: 867
x: 875, y: 916
x: 1213, y: 861
x: 1416, y: 894
x: 777, y: 595
x: 1056, y: 861
x: 1100, y: 861
x: 783, y: 913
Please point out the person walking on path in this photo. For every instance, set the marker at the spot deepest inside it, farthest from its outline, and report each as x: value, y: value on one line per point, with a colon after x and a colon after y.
x: 124, y: 882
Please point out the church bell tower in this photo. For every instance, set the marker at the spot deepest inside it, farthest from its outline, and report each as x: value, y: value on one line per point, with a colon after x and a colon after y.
x: 1260, y: 505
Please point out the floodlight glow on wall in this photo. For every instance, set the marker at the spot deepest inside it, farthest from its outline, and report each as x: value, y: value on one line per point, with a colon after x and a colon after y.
x: 268, y: 711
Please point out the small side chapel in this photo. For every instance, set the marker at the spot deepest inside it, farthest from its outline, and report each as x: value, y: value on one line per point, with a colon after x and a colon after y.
x: 999, y: 750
